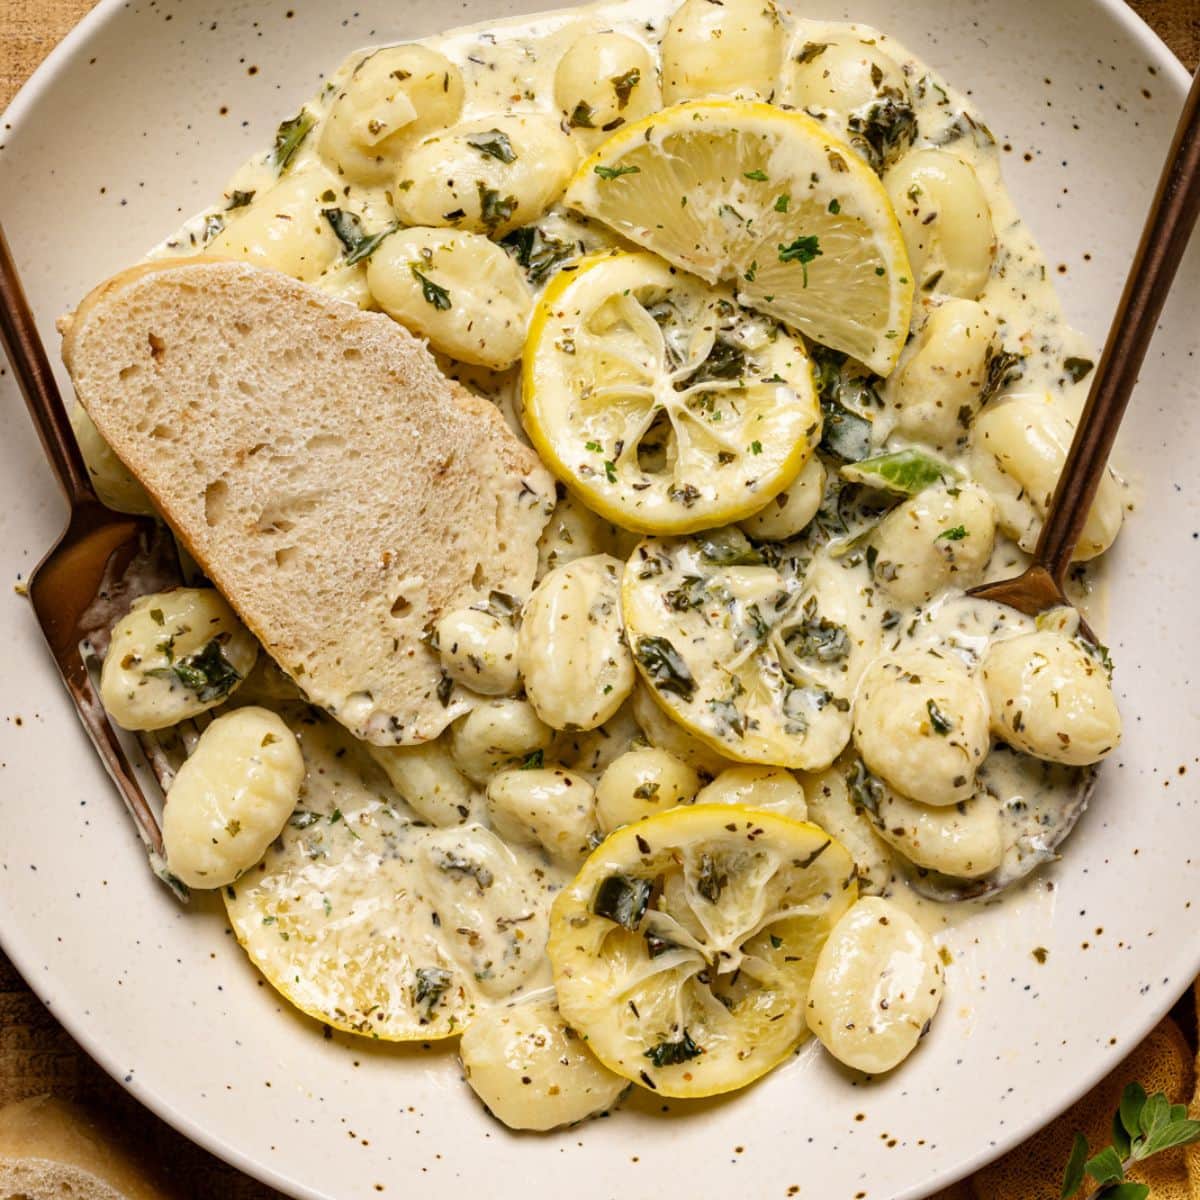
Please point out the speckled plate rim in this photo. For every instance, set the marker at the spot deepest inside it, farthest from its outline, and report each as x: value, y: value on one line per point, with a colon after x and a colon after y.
x: 24, y: 954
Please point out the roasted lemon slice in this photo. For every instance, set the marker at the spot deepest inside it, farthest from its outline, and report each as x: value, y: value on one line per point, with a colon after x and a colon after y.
x: 376, y: 923
x: 664, y: 404
x: 759, y: 658
x: 731, y: 189
x: 684, y: 948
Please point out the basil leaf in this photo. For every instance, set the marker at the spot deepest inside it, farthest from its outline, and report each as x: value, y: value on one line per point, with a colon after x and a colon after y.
x: 494, y: 143
x: 1126, y: 1191
x: 904, y: 471
x: 622, y: 900
x: 288, y: 138
x: 665, y: 666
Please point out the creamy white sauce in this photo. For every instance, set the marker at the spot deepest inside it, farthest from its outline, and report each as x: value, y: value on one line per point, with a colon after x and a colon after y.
x: 357, y: 885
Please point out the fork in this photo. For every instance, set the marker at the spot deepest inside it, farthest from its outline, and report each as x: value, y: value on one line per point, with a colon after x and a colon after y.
x: 99, y: 565
x: 1172, y: 217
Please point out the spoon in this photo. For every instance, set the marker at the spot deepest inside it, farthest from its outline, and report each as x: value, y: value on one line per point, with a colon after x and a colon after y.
x: 1164, y: 239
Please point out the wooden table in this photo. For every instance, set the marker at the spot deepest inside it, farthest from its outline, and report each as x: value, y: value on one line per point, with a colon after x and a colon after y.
x: 36, y: 1054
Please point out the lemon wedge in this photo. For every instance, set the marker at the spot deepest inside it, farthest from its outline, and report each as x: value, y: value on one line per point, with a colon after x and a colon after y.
x: 755, y: 654
x: 684, y: 948
x: 665, y: 405
x: 770, y: 200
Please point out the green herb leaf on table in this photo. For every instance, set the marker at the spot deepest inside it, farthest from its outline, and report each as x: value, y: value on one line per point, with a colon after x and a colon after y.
x: 1073, y: 1175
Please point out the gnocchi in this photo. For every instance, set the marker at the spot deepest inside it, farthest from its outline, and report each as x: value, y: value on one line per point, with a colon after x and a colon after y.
x: 488, y: 175
x: 939, y: 391
x: 788, y: 514
x: 174, y: 655
x: 941, y: 537
x: 390, y: 98
x: 115, y: 484
x: 1018, y: 449
x: 946, y: 222
x: 665, y: 734
x: 830, y: 807
x: 496, y: 735
x: 921, y: 724
x: 603, y: 81
x: 532, y: 1070
x: 1051, y: 697
x: 965, y: 839
x: 427, y: 779
x: 571, y: 649
x: 479, y: 650
x: 284, y: 228
x: 641, y: 782
x: 773, y: 788
x: 459, y: 290
x: 856, y: 87
x: 549, y: 806
x: 729, y: 48
x: 231, y: 797
x: 876, y: 987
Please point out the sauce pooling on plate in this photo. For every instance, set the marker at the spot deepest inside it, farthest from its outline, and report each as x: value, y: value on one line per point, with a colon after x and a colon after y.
x: 754, y: 289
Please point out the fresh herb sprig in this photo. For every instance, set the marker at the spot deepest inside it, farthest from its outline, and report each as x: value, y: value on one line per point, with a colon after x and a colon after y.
x: 1142, y: 1126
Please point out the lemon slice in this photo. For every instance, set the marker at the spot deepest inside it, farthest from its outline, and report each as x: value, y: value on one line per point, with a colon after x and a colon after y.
x: 756, y: 655
x: 684, y: 948
x: 376, y: 923
x: 664, y: 404
x: 731, y: 189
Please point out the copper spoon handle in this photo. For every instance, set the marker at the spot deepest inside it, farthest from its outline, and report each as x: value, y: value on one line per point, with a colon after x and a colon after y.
x: 1164, y: 239
x: 19, y: 336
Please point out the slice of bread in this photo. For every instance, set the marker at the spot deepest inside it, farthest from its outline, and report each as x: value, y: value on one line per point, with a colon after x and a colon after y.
x: 51, y: 1150
x: 333, y: 484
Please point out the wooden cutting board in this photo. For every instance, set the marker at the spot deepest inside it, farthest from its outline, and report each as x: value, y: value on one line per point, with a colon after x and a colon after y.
x: 36, y: 1054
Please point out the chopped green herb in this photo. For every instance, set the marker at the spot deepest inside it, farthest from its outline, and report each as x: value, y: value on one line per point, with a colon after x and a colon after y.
x: 885, y: 130
x: 594, y: 447
x: 610, y: 471
x: 458, y: 864
x: 725, y: 360
x: 494, y: 209
x: 816, y: 637
x: 710, y: 881
x: 1002, y: 368
x: 952, y: 535
x: 534, y: 760
x: 803, y: 250
x: 757, y: 176
x: 835, y: 207
x: 430, y: 986
x: 665, y: 666
x: 288, y: 137
x: 671, y: 1054
x: 538, y: 253
x: 811, y: 50
x: 1077, y: 369
x: 357, y: 242
x: 623, y: 85
x: 238, y: 200
x: 208, y: 673
x: 493, y: 143
x: 941, y: 723
x: 782, y: 203
x: 616, y: 172
x: 623, y: 900
x: 756, y: 447
x: 433, y: 293
x: 581, y: 118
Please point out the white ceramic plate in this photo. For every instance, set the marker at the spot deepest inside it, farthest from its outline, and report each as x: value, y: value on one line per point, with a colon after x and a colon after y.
x: 136, y: 121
